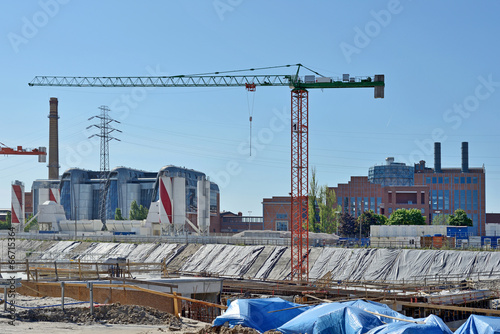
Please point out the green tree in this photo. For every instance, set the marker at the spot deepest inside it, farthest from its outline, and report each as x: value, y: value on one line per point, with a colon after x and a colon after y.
x: 313, y: 202
x: 459, y: 218
x: 328, y: 210
x: 118, y: 214
x: 441, y: 219
x: 322, y: 207
x: 347, y: 225
x: 137, y: 212
x: 5, y: 225
x: 368, y: 218
x: 406, y: 217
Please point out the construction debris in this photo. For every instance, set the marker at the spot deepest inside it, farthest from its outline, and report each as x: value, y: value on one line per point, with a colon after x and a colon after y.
x: 104, y: 314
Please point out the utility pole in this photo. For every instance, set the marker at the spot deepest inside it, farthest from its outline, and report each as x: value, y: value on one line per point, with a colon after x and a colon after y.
x: 105, y: 130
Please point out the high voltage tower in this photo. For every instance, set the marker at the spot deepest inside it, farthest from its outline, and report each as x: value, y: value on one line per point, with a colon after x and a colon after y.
x: 105, y: 135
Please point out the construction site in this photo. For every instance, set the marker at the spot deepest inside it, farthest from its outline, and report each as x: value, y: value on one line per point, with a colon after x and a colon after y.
x: 171, y: 270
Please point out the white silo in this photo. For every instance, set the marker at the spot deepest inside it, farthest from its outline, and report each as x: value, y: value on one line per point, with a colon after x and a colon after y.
x: 179, y: 190
x: 203, y: 192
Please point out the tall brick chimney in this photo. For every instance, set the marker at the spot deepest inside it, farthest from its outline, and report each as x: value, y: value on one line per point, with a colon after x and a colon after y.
x: 53, y: 140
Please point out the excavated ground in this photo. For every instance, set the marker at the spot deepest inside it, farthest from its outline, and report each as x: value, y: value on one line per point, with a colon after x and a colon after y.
x: 105, y: 314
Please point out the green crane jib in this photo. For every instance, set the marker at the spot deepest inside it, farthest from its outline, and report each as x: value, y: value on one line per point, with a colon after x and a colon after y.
x: 215, y: 80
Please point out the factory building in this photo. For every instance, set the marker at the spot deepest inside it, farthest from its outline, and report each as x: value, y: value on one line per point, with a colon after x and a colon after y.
x: 433, y: 191
x: 78, y: 192
x: 394, y: 185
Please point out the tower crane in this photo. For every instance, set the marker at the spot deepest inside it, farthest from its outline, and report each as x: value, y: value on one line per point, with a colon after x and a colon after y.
x: 299, y: 125
x: 41, y: 151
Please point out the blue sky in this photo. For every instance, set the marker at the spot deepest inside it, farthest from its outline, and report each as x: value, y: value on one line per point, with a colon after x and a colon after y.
x: 440, y: 61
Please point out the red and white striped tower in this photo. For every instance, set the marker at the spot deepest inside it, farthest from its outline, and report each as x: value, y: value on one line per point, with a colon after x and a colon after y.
x: 17, y: 215
x: 166, y: 200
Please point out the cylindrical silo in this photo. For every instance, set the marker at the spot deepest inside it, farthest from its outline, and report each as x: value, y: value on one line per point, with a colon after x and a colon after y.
x: 179, y: 211
x: 203, y: 216
x: 17, y: 213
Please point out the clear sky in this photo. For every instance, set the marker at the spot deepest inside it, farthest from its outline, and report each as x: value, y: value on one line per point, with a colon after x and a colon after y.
x: 440, y: 60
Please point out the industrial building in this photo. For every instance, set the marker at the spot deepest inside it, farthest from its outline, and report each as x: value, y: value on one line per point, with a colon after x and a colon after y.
x: 395, y: 185
x: 433, y: 191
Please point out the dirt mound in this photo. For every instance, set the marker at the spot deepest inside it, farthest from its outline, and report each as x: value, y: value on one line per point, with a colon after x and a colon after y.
x: 105, y: 314
x: 236, y: 329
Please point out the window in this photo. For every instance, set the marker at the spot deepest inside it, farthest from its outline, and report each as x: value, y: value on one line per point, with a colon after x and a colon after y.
x: 469, y: 200
x: 281, y: 216
x: 353, y: 206
x: 456, y: 199
x: 390, y: 210
x: 440, y: 200
x: 462, y: 199
x: 434, y: 179
x: 468, y: 179
x: 474, y: 180
x: 446, y: 199
x: 367, y: 206
x: 434, y: 200
x: 446, y: 180
x: 372, y: 204
x: 281, y: 225
x: 474, y: 200
x: 428, y: 180
x: 440, y: 180
x: 462, y: 179
x: 422, y: 211
x: 379, y: 201
x: 359, y: 206
x: 455, y: 179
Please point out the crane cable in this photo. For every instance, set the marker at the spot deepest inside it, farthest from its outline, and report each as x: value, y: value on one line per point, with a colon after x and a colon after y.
x: 250, y: 115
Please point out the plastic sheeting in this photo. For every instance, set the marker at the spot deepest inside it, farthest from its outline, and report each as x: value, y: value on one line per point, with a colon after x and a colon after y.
x: 480, y: 324
x: 431, y: 325
x: 225, y: 260
x: 377, y: 308
x: 254, y: 313
x: 332, y: 318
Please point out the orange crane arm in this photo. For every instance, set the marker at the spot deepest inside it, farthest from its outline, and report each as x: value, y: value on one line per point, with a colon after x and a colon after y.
x: 20, y: 151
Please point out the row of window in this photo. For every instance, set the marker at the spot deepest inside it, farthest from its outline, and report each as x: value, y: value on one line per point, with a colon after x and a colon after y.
x: 446, y: 180
x: 370, y: 203
x: 462, y: 199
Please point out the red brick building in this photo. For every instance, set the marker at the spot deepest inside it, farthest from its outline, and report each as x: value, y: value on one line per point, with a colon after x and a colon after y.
x: 433, y: 191
x: 277, y: 213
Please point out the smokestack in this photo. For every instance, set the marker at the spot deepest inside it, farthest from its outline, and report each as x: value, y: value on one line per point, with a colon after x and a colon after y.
x: 437, y: 157
x: 465, y: 157
x: 53, y: 140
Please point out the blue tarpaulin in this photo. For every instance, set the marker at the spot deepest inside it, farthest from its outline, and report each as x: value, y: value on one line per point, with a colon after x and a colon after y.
x: 480, y: 324
x: 332, y: 318
x: 253, y: 313
x: 377, y: 308
x: 431, y: 325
